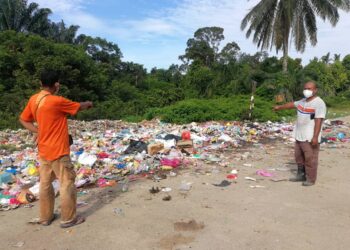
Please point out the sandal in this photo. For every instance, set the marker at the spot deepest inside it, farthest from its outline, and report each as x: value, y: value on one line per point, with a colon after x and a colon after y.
x: 36, y: 221
x: 78, y: 220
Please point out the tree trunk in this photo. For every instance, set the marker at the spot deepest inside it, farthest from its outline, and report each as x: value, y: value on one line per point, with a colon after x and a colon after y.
x: 285, y: 54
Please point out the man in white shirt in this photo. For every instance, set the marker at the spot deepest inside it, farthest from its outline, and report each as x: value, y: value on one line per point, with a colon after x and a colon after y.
x: 311, y: 113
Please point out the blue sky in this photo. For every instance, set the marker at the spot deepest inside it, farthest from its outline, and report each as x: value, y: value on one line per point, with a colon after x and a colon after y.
x: 154, y: 32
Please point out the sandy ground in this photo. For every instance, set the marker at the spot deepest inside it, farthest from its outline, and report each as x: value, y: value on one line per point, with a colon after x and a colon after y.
x: 279, y: 215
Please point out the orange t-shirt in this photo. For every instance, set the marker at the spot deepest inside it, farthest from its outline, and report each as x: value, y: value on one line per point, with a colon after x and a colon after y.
x: 51, y: 116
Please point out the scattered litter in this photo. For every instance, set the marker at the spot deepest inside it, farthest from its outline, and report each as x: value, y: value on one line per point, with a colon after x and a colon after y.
x: 257, y: 186
x: 19, y: 244
x: 279, y: 179
x: 167, y: 198
x: 154, y: 190
x: 264, y: 173
x: 82, y: 204
x: 232, y: 177
x: 118, y: 211
x: 185, y: 186
x: 282, y: 169
x: 224, y: 183
x: 167, y: 189
x: 250, y: 178
x: 191, y: 225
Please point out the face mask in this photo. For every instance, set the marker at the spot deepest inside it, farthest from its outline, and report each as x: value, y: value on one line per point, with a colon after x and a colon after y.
x: 308, y: 93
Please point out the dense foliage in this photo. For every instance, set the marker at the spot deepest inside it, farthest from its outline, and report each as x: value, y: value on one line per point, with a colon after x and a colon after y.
x: 214, y: 82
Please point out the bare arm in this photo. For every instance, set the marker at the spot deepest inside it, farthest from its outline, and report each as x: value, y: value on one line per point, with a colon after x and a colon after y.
x: 289, y: 105
x: 317, y: 130
x: 29, y: 125
x: 85, y: 105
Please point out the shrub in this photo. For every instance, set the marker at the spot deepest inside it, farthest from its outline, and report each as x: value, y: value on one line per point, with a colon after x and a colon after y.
x: 200, y: 110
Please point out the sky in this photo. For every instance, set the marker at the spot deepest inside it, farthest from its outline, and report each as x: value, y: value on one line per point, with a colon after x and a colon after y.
x: 154, y: 32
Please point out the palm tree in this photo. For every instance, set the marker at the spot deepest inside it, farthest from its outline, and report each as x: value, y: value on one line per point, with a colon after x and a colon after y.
x: 326, y: 58
x: 278, y: 22
x: 17, y: 15
x: 336, y: 58
x: 62, y: 34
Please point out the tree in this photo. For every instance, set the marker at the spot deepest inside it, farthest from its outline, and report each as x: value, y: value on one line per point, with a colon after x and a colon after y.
x: 346, y: 62
x: 17, y: 15
x: 100, y: 49
x: 326, y: 58
x: 203, y: 48
x: 277, y: 22
x: 229, y: 53
x: 62, y: 34
x: 336, y: 57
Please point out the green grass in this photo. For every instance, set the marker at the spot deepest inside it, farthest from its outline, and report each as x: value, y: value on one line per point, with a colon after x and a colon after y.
x: 338, y: 106
x: 220, y: 109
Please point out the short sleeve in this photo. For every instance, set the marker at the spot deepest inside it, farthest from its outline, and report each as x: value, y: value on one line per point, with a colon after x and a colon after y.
x: 68, y: 107
x: 296, y: 103
x: 27, y: 114
x: 321, y: 110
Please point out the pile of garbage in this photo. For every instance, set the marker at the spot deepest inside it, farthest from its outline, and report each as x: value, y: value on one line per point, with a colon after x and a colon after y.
x: 334, y: 132
x: 109, y: 153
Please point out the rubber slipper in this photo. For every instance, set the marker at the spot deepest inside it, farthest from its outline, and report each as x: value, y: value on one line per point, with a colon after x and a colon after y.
x: 36, y: 221
x: 78, y: 220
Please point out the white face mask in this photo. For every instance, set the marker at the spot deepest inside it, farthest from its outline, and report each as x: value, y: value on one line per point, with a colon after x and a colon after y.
x: 308, y: 93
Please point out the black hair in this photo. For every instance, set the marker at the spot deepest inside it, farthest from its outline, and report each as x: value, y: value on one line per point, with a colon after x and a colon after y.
x: 49, y: 77
x: 314, y: 82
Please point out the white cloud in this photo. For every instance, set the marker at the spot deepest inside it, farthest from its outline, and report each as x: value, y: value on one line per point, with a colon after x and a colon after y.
x: 152, y: 25
x: 61, y: 5
x: 73, y: 12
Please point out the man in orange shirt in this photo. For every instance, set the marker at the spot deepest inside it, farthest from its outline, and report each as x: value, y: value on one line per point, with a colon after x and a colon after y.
x: 50, y: 112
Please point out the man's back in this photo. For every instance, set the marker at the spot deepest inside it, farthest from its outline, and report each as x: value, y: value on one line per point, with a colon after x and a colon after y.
x: 50, y: 112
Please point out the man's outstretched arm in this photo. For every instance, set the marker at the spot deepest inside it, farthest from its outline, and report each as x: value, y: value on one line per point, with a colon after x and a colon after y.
x: 85, y: 105
x: 289, y: 105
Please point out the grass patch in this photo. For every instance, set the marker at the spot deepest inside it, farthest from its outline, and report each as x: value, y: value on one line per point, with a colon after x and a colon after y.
x: 338, y: 106
x: 227, y: 109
